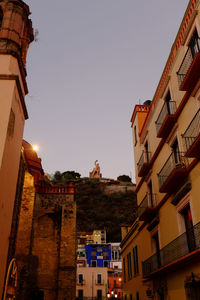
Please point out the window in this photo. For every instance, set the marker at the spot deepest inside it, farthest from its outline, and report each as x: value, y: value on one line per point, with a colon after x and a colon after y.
x: 135, y: 134
x: 129, y: 265
x: 99, y: 294
x: 105, y: 255
x: 105, y: 264
x: 115, y: 283
x: 135, y: 260
x: 94, y: 263
x: 99, y: 278
x: 187, y: 217
x: 80, y: 278
x: 124, y: 269
x: 137, y: 296
x: 156, y: 248
x: 146, y: 148
x: 93, y: 254
x: 175, y: 150
x: 169, y: 103
x: 1, y: 17
x: 194, y: 43
x: 11, y: 124
x: 80, y: 294
x: 150, y: 188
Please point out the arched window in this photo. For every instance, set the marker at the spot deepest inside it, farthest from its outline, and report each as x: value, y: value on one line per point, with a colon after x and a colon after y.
x: 1, y: 17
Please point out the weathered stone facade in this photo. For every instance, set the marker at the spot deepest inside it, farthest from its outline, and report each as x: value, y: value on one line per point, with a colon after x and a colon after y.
x: 46, y: 239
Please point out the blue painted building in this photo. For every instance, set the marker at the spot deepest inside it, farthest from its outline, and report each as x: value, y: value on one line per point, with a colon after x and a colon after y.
x: 98, y: 255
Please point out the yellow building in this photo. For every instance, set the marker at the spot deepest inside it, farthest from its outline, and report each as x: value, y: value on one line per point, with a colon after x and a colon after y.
x: 161, y: 250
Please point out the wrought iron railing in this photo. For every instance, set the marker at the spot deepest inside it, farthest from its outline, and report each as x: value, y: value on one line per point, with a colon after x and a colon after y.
x: 181, y: 246
x: 148, y: 201
x: 187, y: 61
x: 176, y: 160
x: 169, y: 108
x: 144, y: 158
x: 192, y: 132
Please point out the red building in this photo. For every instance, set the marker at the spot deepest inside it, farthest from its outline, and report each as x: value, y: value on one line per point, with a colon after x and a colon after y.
x: 114, y: 288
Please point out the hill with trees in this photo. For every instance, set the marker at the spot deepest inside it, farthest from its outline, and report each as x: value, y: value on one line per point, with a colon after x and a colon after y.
x: 102, y: 204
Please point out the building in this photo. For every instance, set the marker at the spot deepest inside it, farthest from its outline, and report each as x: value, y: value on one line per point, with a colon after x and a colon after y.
x: 115, y: 262
x: 98, y: 255
x: 114, y: 287
x: 43, y: 235
x: 94, y: 237
x: 160, y: 251
x: 81, y: 256
x: 91, y: 283
x: 99, y: 268
x: 16, y: 34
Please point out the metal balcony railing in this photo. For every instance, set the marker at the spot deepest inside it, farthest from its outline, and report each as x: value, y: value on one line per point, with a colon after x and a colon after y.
x: 144, y: 159
x: 175, y: 161
x: 169, y: 108
x: 181, y: 246
x: 149, y: 201
x: 192, y: 132
x: 187, y: 61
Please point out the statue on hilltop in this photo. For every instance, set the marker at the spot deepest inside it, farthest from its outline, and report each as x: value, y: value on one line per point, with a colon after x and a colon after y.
x: 96, y: 171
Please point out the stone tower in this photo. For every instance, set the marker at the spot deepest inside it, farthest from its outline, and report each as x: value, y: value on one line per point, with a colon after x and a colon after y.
x: 16, y: 34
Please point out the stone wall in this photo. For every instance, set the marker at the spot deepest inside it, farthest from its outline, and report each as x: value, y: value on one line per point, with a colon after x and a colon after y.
x: 46, y: 245
x: 54, y: 244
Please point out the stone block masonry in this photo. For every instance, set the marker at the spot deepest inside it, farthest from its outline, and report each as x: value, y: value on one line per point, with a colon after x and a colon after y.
x: 48, y: 269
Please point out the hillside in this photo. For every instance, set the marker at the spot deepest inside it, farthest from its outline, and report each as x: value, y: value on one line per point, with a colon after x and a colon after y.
x: 99, y: 207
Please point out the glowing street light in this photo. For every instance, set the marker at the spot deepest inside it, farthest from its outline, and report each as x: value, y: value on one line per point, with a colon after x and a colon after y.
x: 35, y: 147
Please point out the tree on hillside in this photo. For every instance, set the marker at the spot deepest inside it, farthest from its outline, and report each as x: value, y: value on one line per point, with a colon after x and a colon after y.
x: 62, y: 178
x: 124, y: 178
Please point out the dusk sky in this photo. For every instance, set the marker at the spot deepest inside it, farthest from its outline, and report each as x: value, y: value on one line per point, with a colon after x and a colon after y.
x: 93, y: 61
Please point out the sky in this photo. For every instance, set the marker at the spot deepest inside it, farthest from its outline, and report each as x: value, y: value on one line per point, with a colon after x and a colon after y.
x: 92, y: 62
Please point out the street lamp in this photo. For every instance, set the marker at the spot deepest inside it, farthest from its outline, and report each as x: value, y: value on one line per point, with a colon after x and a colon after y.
x: 35, y: 147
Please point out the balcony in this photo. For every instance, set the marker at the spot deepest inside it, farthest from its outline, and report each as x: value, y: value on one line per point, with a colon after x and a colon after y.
x: 185, y: 247
x: 173, y: 172
x: 166, y: 119
x: 191, y: 137
x: 147, y: 208
x: 189, y: 71
x: 143, y: 165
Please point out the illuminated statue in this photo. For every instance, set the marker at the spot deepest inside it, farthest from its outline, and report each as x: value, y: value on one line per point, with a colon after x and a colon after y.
x: 96, y: 171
